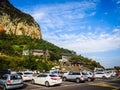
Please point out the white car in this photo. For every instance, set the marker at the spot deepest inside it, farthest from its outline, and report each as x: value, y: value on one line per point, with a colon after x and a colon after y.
x: 60, y: 72
x: 90, y: 76
x: 113, y: 73
x: 102, y: 75
x: 26, y: 76
x: 47, y: 79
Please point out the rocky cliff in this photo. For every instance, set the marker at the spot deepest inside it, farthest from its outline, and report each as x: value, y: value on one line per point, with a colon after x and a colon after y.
x: 14, y: 21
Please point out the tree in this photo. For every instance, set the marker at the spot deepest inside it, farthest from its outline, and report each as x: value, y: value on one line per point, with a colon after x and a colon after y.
x: 75, y: 60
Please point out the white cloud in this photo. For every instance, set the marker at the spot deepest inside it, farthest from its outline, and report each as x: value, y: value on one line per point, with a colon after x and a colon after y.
x: 38, y: 16
x: 92, y: 13
x: 87, y: 42
x: 59, y: 23
x: 63, y: 13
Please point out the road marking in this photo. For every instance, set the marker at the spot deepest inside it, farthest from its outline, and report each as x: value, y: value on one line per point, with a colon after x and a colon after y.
x: 104, y: 84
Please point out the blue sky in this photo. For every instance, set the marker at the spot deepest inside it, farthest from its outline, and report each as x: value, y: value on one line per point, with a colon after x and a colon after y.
x: 89, y: 27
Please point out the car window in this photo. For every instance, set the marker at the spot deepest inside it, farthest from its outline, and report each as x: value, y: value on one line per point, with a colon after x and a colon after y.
x: 76, y: 73
x: 27, y: 73
x: 52, y: 75
x: 20, y: 73
x: 39, y: 75
x: 84, y: 73
x: 42, y: 75
x: 65, y: 71
x: 99, y: 73
x: 19, y: 77
x: 71, y: 73
x: 90, y: 73
x: 4, y: 77
x: 15, y: 77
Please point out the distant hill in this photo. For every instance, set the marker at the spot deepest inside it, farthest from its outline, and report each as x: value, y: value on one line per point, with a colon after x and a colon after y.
x: 14, y: 21
x: 12, y: 46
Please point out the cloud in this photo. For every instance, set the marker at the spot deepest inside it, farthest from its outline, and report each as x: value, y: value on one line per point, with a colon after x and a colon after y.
x: 87, y: 42
x: 38, y: 16
x: 64, y: 25
x: 61, y: 15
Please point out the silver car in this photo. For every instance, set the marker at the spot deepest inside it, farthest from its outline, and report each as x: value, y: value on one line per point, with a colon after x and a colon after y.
x: 75, y: 76
x: 11, y: 81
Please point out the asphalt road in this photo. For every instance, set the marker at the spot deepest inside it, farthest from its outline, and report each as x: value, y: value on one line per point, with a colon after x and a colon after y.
x: 113, y: 84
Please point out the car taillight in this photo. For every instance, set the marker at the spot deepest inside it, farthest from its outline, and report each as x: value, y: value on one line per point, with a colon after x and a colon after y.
x: 25, y: 76
x: 8, y: 81
x: 53, y: 78
x: 81, y: 76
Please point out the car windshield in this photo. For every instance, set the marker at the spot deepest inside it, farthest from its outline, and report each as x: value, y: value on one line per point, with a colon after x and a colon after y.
x: 15, y: 77
x: 83, y: 73
x: 90, y: 73
x: 19, y: 73
x: 27, y: 73
x: 52, y: 75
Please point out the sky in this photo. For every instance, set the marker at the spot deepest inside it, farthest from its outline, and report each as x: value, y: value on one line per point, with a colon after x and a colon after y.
x: 91, y: 28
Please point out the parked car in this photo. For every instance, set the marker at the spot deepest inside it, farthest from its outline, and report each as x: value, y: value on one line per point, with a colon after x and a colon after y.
x: 113, y: 73
x: 59, y: 72
x: 11, y: 81
x: 47, y: 79
x: 90, y: 76
x: 75, y: 76
x: 102, y: 75
x: 26, y: 75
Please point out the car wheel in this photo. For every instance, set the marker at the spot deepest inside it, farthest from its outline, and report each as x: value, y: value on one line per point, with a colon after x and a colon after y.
x: 64, y: 78
x: 33, y: 81
x: 103, y: 77
x: 47, y: 84
x: 89, y: 79
x: 77, y: 80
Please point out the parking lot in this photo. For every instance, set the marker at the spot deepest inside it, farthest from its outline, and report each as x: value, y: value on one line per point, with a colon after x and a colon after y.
x: 67, y: 84
x: 29, y: 86
x: 69, y: 80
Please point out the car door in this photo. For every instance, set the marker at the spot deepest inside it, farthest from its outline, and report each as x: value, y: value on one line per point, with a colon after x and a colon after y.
x: 43, y: 79
x: 99, y: 75
x: 70, y: 76
x: 38, y: 79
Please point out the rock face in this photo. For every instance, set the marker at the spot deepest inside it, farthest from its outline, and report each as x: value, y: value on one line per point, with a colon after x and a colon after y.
x: 14, y: 21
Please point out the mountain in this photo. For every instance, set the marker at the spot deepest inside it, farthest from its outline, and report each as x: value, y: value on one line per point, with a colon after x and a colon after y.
x: 14, y: 21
